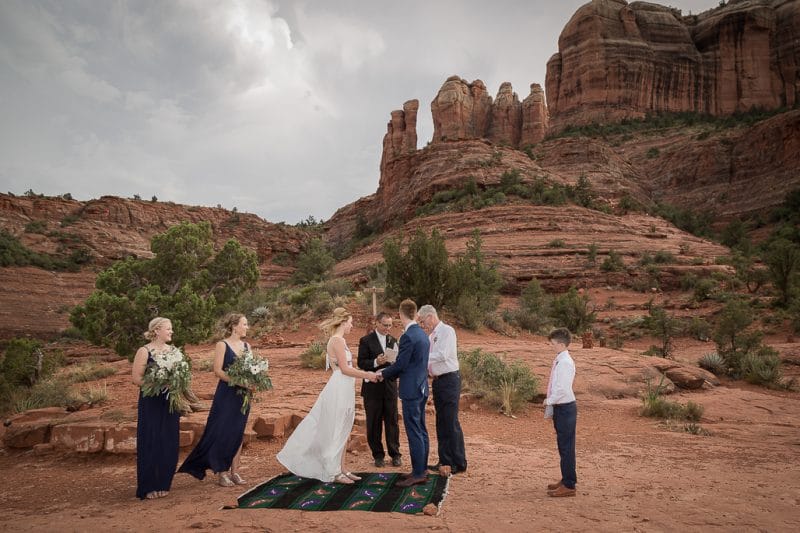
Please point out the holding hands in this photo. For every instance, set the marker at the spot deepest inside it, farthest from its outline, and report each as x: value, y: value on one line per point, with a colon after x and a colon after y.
x: 372, y: 376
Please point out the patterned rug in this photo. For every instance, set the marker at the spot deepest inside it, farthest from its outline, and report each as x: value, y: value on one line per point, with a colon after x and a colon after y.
x: 375, y: 492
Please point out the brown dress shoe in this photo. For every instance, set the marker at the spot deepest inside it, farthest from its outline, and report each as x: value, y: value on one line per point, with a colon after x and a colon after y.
x: 411, y: 481
x: 561, y: 492
x: 406, y: 475
x: 554, y: 486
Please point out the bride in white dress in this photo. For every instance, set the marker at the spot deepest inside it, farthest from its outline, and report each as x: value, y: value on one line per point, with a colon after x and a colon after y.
x: 317, y: 447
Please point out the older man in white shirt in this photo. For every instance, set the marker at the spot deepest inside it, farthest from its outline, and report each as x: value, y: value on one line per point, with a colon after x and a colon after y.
x: 443, y: 368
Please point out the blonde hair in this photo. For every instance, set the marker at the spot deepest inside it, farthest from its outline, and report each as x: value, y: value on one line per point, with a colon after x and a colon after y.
x: 153, y: 326
x: 229, y: 322
x: 339, y: 317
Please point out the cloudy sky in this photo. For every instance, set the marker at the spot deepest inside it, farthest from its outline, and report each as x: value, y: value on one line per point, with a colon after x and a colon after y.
x: 275, y: 107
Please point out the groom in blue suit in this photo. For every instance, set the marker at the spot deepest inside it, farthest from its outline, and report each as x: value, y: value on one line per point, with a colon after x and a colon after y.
x: 411, y: 367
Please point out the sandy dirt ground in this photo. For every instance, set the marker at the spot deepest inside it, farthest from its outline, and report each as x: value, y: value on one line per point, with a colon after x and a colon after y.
x: 634, y: 473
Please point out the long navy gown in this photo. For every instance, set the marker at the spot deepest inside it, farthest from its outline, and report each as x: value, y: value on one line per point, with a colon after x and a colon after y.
x: 156, y: 443
x: 224, y: 430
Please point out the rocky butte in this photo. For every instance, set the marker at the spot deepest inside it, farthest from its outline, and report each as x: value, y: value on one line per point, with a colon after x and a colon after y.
x: 617, y: 60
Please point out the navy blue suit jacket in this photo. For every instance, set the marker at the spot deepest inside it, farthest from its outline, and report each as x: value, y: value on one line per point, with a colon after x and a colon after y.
x: 411, y: 365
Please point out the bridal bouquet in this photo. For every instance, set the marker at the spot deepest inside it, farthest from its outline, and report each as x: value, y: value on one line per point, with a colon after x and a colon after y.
x: 169, y: 371
x: 249, y: 373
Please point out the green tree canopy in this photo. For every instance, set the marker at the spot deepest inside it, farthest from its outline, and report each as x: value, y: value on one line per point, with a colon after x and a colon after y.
x: 185, y: 281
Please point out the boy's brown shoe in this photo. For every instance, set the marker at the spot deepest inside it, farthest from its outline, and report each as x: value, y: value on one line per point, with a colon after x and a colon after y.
x: 561, y: 492
x: 554, y: 486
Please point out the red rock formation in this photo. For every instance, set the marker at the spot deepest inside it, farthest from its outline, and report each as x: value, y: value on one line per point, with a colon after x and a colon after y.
x: 535, y: 119
x: 620, y: 61
x: 401, y: 134
x: 461, y: 110
x: 506, y: 124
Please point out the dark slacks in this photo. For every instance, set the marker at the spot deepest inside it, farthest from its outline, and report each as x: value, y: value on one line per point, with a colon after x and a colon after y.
x: 382, y: 413
x: 446, y: 395
x: 565, y: 418
x: 417, y: 434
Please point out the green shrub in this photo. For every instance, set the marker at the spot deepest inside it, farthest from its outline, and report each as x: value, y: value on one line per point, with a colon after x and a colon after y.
x: 704, y: 289
x: 653, y: 152
x: 698, y: 328
x: 732, y: 337
x: 282, y: 259
x: 572, y: 310
x: 184, y: 281
x: 714, y: 363
x: 468, y: 286
x: 52, y: 392
x: 313, y: 356
x: 24, y: 362
x: 313, y: 263
x: 507, y: 386
x: 591, y: 253
x: 613, y: 262
x: 763, y: 367
x: 664, y: 327
x: 783, y: 261
x: 36, y: 226
x: 654, y: 406
x: 534, y: 308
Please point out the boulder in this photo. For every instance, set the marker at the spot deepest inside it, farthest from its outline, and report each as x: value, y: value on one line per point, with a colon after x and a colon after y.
x: 86, y: 437
x: 27, y: 435
x: 121, y: 439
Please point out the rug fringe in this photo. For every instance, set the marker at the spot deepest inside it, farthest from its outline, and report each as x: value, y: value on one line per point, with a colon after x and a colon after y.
x: 444, y: 495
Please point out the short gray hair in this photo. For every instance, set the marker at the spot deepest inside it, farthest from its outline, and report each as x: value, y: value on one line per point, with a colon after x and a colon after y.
x: 427, y: 310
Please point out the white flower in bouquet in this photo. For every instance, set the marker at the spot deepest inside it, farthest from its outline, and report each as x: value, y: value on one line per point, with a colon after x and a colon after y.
x: 248, y: 372
x: 168, y: 372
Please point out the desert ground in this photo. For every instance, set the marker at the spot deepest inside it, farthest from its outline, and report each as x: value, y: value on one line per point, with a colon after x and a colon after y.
x: 635, y: 473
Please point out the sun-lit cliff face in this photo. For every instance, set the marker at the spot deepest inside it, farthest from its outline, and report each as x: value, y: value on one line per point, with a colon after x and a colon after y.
x: 617, y: 60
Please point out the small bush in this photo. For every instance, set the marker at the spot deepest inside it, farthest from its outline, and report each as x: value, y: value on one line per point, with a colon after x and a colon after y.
x: 507, y: 386
x: 314, y: 356
x: 714, y: 363
x: 95, y: 394
x: 613, y: 262
x: 89, y: 372
x: 654, y: 406
x: 591, y: 254
x: 573, y: 311
x: 313, y: 263
x: 763, y: 367
x: 556, y: 243
x: 25, y: 363
x: 36, y: 226
x: 653, y: 152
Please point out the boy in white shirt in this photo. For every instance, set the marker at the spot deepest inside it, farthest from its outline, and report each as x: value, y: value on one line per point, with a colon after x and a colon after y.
x: 561, y: 407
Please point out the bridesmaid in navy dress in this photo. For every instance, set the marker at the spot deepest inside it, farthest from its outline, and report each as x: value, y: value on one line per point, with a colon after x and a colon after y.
x: 221, y: 444
x: 157, y: 429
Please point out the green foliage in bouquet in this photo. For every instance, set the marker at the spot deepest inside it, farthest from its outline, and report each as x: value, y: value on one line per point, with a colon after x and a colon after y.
x: 168, y: 372
x: 248, y: 373
x: 184, y: 281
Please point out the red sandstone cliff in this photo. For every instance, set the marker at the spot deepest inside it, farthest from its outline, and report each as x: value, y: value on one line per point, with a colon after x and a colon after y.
x: 617, y: 60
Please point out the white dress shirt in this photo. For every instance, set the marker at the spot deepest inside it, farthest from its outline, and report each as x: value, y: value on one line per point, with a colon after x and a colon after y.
x: 561, y: 377
x: 382, y: 341
x: 444, y: 352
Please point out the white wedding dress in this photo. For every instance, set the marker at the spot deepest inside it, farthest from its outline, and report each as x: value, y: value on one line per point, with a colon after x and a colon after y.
x: 315, y: 448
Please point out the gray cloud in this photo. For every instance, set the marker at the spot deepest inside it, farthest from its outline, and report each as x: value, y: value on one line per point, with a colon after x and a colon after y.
x: 274, y: 107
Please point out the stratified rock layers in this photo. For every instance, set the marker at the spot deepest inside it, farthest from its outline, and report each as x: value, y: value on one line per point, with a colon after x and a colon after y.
x: 618, y: 60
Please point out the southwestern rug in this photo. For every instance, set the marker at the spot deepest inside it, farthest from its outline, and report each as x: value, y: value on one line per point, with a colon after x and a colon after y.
x: 375, y: 492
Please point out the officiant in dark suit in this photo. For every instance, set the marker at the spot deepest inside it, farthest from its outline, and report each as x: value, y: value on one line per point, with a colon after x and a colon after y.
x: 380, y: 399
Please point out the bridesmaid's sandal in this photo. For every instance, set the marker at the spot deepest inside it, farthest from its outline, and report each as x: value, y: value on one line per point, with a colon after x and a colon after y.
x: 352, y: 476
x: 151, y: 495
x: 163, y: 493
x: 239, y: 480
x: 225, y: 481
x: 343, y: 479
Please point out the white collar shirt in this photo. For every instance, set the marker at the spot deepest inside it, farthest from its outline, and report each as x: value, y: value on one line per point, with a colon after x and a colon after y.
x: 444, y: 350
x: 561, y: 377
x: 381, y: 339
